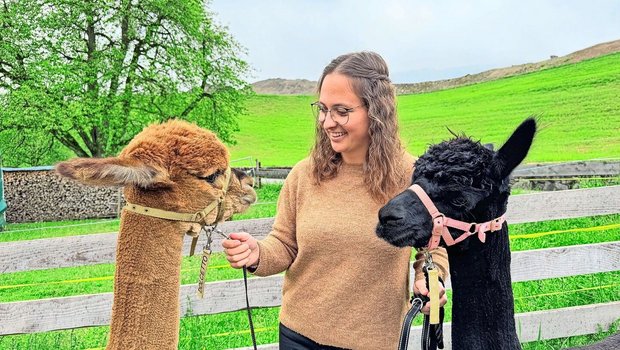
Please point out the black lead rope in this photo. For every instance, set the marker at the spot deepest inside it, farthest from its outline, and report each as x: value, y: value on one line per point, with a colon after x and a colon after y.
x: 203, y: 269
x: 432, y: 335
x: 247, y: 304
x: 416, y: 305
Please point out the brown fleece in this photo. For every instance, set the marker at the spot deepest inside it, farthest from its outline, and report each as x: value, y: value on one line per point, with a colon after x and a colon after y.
x: 145, y: 313
x: 163, y: 167
x: 343, y: 286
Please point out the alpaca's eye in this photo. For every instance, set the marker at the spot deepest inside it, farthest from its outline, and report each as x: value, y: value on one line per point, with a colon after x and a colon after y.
x: 211, y: 178
x: 459, y: 202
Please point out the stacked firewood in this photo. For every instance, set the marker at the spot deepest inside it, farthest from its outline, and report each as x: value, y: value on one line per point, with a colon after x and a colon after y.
x: 42, y: 195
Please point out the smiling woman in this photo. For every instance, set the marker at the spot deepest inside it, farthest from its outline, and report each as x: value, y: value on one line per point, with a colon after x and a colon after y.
x: 327, y: 209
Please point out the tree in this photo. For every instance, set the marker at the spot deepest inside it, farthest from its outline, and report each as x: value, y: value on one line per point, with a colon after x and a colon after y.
x: 88, y: 75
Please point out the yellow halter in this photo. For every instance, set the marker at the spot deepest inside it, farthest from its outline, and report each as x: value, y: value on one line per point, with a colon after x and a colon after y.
x: 199, y: 217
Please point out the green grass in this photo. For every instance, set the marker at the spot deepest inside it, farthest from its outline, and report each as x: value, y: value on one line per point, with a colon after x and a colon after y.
x: 91, y: 279
x: 229, y: 330
x: 563, y: 343
x: 266, y: 206
x: 577, y: 106
x: 560, y: 233
x: 37, y: 230
x: 599, y: 182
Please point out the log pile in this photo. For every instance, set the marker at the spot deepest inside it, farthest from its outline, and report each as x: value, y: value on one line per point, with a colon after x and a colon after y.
x: 42, y: 195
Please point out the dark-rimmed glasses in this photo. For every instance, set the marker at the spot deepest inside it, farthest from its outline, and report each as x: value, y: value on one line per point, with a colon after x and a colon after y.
x: 342, y: 113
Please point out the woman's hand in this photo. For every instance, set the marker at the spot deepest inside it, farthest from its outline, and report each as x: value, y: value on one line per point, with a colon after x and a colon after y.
x: 241, y: 250
x: 419, y: 287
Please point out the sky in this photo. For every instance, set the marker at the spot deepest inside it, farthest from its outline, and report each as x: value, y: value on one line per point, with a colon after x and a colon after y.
x: 421, y: 40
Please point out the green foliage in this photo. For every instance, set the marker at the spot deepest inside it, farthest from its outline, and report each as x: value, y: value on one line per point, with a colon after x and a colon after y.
x: 577, y: 106
x: 85, y: 77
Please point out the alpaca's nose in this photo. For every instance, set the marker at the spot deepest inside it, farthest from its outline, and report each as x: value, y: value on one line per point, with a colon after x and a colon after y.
x: 391, y: 215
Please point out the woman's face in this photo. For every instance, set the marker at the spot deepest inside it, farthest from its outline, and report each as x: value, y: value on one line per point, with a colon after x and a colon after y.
x: 351, y: 139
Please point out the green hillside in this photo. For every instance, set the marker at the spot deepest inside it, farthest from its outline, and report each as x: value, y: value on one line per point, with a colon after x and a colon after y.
x: 578, y: 107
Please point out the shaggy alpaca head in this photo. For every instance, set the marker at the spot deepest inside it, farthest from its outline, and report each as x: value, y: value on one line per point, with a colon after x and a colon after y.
x: 174, y: 166
x: 465, y: 181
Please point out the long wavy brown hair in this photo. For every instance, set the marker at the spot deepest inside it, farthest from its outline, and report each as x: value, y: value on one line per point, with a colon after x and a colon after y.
x: 384, y: 173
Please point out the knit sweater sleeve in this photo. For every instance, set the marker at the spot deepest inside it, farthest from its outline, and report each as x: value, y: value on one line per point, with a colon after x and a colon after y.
x: 279, y: 249
x: 440, y: 259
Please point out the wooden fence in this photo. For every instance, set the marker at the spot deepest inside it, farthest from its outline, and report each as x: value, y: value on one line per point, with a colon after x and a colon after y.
x: 94, y: 310
x: 597, y: 168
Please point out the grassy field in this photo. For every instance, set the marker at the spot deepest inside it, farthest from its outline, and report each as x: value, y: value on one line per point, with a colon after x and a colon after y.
x: 577, y: 105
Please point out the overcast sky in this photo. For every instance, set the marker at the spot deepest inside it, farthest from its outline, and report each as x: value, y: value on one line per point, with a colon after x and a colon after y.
x: 421, y: 40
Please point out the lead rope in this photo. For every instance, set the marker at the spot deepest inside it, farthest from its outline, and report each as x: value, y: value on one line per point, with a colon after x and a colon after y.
x: 434, y: 340
x: 206, y: 254
x: 432, y: 329
x: 247, y: 303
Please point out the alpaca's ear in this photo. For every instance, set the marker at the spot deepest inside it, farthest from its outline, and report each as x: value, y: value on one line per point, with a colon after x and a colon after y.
x: 515, y: 149
x: 113, y: 171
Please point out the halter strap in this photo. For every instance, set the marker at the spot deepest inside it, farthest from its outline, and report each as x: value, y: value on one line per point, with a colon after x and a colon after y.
x: 199, y: 217
x: 441, y: 223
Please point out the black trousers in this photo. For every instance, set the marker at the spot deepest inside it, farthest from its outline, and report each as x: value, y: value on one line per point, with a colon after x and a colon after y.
x: 291, y: 340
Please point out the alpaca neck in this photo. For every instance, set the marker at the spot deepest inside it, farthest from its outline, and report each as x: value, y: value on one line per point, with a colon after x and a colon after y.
x: 145, y: 311
x: 482, y: 300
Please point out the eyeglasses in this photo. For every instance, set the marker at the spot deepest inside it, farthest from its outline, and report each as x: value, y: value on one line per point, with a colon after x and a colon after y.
x: 342, y: 113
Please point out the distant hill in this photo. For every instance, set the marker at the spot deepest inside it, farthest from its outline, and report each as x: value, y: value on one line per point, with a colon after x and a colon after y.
x: 307, y: 87
x: 284, y: 87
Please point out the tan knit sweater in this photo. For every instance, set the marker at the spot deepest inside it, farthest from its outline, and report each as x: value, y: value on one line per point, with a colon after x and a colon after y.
x: 343, y: 285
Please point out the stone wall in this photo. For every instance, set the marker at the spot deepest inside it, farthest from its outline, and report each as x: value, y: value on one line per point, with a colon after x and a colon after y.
x: 39, y: 194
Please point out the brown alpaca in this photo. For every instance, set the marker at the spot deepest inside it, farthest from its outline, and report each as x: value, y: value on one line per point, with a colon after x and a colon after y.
x: 175, y: 166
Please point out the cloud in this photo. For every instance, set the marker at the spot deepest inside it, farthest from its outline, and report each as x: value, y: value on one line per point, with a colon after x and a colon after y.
x: 420, y: 40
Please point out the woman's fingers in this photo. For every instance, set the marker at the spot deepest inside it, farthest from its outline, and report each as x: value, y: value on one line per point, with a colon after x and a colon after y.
x: 240, y: 236
x: 230, y: 243
x: 238, y: 260
x: 237, y: 250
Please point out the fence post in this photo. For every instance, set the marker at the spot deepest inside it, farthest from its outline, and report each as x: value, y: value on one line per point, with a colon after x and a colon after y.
x: 2, y: 201
x: 257, y: 175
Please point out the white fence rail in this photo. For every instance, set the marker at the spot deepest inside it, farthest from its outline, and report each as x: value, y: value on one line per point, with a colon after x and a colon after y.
x: 224, y: 296
x: 101, y: 248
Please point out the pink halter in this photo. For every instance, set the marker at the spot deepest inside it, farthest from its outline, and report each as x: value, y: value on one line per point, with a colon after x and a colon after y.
x: 441, y: 223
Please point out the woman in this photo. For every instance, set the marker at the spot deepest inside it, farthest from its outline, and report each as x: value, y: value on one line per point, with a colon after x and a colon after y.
x: 344, y: 287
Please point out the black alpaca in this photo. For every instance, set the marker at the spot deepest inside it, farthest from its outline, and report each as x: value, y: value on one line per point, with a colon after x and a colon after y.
x: 467, y: 182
